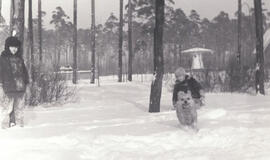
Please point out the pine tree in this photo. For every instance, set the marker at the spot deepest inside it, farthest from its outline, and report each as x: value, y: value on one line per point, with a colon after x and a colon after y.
x: 156, y: 86
x: 120, y: 49
x: 239, y: 31
x: 40, y: 32
x: 74, y: 79
x: 31, y: 40
x: 93, y: 43
x: 259, y: 47
x: 130, y: 48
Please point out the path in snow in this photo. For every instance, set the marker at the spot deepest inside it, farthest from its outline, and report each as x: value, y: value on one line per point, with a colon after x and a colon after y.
x: 112, y: 122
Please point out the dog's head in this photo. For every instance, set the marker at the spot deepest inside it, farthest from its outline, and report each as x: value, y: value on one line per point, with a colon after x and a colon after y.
x: 185, y: 99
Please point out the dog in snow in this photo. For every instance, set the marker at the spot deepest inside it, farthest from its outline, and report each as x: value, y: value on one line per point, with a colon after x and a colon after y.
x: 186, y: 110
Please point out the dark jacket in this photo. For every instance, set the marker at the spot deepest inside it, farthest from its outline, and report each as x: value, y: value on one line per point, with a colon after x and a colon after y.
x: 189, y: 84
x: 13, y: 73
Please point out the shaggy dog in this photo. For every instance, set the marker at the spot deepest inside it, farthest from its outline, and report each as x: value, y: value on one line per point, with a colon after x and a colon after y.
x: 186, y: 110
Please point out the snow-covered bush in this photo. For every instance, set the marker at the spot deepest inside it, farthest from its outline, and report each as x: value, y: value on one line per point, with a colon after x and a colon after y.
x: 48, y: 88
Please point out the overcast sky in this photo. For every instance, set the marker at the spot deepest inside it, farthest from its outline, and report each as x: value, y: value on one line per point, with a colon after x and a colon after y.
x: 205, y: 8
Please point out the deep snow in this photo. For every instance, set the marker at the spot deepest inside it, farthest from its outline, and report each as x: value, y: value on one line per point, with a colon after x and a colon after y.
x: 112, y: 122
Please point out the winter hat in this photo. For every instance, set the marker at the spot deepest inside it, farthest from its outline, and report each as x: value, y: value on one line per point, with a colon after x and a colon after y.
x: 180, y: 71
x: 12, y: 41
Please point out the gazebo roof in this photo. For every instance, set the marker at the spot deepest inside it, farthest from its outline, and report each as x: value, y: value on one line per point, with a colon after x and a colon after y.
x: 198, y: 50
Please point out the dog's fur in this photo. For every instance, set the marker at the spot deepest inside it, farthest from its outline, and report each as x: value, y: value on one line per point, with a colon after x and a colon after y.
x: 186, y: 110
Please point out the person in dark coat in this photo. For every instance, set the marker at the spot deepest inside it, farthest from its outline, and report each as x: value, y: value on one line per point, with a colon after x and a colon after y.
x: 186, y: 83
x: 14, y: 80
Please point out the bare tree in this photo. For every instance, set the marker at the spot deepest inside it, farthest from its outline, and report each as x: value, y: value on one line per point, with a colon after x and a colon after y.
x: 259, y: 47
x: 74, y: 79
x: 156, y: 86
x: 120, y: 67
x: 93, y: 43
x: 130, y: 48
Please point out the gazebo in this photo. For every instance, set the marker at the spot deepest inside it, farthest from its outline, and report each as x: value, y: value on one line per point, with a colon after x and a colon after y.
x: 197, y: 61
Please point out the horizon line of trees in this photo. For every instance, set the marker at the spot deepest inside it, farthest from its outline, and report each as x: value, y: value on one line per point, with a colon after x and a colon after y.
x: 153, y: 27
x: 181, y: 32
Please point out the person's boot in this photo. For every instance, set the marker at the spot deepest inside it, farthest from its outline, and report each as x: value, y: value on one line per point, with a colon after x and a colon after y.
x: 12, y: 122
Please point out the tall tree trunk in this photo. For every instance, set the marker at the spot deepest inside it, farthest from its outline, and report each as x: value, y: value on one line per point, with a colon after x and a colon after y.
x: 59, y: 49
x: 1, y: 8
x: 74, y: 79
x: 93, y: 44
x: 130, y: 48
x: 156, y: 86
x: 180, y: 55
x: 259, y: 47
x: 40, y: 32
x: 31, y: 41
x: 17, y: 19
x: 98, y: 69
x: 175, y: 59
x: 120, y: 67
x: 239, y: 31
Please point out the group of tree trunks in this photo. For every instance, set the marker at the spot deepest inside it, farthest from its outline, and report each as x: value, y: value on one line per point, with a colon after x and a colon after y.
x: 17, y: 24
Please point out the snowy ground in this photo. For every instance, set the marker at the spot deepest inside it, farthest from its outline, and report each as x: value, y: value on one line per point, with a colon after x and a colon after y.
x: 112, y: 122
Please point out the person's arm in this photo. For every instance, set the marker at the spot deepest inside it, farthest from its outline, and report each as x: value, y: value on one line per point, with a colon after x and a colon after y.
x: 174, y: 99
x: 1, y: 78
x: 26, y: 76
x: 201, y: 92
x: 197, y: 84
x: 193, y: 83
x: 197, y: 87
x: 1, y: 72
